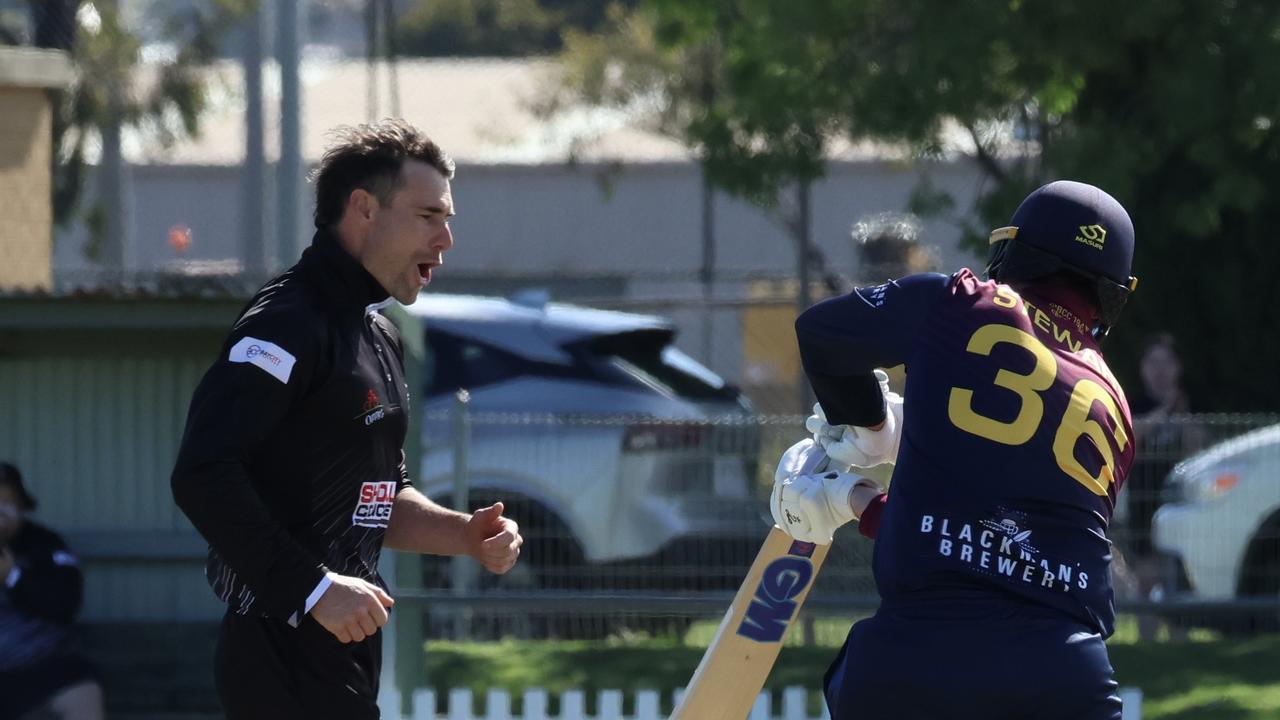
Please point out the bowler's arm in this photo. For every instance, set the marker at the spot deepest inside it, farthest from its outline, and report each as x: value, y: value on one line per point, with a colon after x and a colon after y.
x: 420, y: 525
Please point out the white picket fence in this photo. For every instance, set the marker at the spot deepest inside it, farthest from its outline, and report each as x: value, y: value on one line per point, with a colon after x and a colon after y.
x: 609, y: 704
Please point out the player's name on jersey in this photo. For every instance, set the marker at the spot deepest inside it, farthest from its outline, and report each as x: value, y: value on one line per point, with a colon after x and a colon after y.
x: 1001, y: 548
x: 1006, y: 297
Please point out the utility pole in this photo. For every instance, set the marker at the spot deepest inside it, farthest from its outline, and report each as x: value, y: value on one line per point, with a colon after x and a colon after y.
x: 253, y: 233
x: 803, y: 299
x: 113, y: 179
x: 371, y: 51
x: 289, y: 167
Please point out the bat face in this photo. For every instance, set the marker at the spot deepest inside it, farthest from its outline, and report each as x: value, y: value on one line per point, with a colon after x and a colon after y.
x: 736, y: 664
x: 773, y: 605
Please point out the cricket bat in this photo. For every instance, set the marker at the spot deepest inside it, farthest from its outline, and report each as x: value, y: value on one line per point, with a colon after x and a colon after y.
x: 738, y: 661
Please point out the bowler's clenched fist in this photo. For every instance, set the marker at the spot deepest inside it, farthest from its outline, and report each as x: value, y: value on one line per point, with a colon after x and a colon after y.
x: 351, y: 608
x: 495, y: 539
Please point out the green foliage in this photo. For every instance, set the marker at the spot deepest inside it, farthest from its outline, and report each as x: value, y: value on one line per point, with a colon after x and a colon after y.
x: 1166, y: 105
x: 624, y: 65
x: 107, y: 89
x: 506, y: 28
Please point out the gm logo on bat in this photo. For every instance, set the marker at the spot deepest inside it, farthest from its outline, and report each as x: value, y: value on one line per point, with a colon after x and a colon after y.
x: 773, y: 604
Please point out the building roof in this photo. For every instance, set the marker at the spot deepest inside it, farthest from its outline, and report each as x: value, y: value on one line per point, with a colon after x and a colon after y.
x: 35, y: 68
x: 480, y: 110
x: 210, y: 280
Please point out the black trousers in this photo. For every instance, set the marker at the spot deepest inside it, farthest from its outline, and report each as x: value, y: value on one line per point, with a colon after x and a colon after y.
x: 265, y: 668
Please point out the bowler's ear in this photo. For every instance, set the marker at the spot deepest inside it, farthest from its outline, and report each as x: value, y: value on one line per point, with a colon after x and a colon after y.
x: 362, y: 204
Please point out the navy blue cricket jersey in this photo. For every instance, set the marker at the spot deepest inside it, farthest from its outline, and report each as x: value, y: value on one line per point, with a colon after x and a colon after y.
x: 1016, y: 438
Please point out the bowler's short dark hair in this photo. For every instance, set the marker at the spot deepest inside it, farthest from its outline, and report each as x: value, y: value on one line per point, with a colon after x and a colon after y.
x: 370, y: 157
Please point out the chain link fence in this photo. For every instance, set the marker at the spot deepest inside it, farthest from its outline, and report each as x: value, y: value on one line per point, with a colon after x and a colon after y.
x: 641, y: 525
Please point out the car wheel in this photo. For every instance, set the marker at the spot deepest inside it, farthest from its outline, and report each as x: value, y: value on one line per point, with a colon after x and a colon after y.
x: 1260, y: 577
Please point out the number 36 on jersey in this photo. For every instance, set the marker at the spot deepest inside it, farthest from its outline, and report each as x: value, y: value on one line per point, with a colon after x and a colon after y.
x: 1029, y: 388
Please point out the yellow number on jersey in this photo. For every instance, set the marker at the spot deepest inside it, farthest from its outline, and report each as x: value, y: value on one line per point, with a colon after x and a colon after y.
x: 1075, y: 421
x: 1020, y: 430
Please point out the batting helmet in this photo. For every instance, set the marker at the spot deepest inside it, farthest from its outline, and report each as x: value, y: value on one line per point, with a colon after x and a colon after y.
x: 1073, y: 227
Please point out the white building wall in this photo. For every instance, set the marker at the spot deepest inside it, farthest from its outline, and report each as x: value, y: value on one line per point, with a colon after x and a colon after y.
x: 638, y: 223
x: 586, y: 219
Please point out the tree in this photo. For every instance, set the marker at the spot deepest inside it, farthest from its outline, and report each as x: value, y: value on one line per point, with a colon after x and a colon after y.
x: 1161, y: 104
x: 671, y: 88
x: 106, y: 56
x: 507, y: 28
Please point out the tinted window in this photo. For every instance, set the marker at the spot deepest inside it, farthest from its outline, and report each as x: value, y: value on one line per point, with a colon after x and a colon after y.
x: 647, y: 357
x: 455, y: 362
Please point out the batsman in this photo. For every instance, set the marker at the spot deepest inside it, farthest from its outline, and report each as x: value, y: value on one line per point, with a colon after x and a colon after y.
x: 1009, y: 444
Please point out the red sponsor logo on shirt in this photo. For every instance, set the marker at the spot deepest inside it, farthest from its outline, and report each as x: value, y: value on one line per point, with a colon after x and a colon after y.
x: 373, y: 409
x: 374, y: 506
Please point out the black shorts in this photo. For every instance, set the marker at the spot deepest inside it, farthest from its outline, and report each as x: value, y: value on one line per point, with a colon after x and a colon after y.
x: 26, y: 689
x: 265, y: 668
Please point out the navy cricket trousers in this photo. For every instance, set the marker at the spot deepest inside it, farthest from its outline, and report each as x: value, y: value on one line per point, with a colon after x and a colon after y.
x: 1003, y: 663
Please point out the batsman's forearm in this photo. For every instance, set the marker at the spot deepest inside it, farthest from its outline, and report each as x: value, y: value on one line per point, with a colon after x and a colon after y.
x: 421, y: 526
x: 861, y: 497
x: 869, y: 519
x: 838, y: 364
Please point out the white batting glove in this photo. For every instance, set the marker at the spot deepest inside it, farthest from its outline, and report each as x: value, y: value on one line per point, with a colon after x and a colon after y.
x: 858, y: 446
x: 809, y: 502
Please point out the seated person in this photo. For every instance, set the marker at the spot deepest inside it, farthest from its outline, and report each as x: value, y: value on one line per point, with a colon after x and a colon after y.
x: 41, y: 674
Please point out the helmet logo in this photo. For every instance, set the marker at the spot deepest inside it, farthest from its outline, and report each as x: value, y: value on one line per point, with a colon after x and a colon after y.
x: 1092, y: 235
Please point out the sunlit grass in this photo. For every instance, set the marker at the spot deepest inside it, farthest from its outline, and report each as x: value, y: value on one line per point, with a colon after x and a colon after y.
x: 1204, y: 677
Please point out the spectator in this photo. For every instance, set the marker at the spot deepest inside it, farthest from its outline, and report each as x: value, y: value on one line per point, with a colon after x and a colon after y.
x: 1164, y: 436
x: 40, y: 594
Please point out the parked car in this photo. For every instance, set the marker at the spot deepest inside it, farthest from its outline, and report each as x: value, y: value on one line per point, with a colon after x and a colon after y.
x: 1221, y: 524
x: 628, y: 464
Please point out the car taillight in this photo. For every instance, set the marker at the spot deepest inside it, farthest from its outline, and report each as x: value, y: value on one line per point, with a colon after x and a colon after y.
x: 650, y: 437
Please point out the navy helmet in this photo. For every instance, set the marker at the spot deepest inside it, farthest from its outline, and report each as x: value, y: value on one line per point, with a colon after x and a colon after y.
x: 1072, y: 227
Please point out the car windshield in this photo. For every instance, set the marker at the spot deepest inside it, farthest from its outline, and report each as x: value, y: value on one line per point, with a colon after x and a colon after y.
x: 634, y: 359
x: 649, y: 358
x: 455, y: 362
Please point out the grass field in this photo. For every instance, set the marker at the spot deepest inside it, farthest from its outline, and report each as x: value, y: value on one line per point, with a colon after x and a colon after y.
x: 1203, y: 678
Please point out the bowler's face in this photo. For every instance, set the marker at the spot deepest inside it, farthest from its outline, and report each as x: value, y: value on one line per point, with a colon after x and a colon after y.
x: 411, y: 234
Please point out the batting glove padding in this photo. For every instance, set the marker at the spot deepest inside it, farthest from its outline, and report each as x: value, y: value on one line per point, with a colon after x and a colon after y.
x: 809, y: 502
x: 858, y: 446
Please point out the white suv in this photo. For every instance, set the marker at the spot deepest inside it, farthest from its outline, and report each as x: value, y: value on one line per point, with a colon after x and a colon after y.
x: 1223, y: 524
x: 626, y: 463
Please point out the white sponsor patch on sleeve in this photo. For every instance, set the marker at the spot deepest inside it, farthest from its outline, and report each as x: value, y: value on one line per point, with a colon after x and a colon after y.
x: 266, y: 355
x: 62, y: 557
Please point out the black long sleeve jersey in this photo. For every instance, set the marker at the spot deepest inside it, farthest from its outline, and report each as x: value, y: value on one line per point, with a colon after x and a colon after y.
x: 293, y: 448
x: 36, y: 611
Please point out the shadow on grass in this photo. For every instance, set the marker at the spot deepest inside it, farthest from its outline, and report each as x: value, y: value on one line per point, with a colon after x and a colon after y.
x: 1218, y: 680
